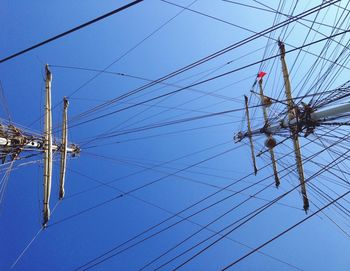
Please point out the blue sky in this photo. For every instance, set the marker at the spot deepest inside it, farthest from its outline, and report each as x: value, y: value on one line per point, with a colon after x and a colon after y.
x: 163, y: 170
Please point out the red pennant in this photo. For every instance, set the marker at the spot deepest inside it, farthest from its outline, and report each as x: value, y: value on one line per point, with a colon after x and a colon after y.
x: 260, y: 75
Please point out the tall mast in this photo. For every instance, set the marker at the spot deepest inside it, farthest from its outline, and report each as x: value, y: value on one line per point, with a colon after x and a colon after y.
x: 64, y: 145
x: 250, y: 134
x: 15, y: 141
x: 299, y: 120
x: 270, y: 139
x: 292, y: 114
x: 47, y: 146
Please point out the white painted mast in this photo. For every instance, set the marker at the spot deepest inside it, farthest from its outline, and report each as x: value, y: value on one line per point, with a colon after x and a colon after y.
x: 47, y: 146
x: 64, y: 145
x: 14, y: 141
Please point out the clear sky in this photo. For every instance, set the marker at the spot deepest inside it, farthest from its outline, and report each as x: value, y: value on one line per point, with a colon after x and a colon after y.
x: 150, y: 155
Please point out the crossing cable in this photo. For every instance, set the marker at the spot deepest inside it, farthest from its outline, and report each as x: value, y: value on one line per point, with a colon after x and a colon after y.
x: 146, y: 185
x: 319, y: 57
x: 205, y: 81
x: 103, y: 257
x: 84, y: 142
x: 326, y: 74
x: 247, y: 218
x: 160, y: 223
x: 104, y: 16
x: 340, y: 208
x: 158, y: 165
x: 164, y: 124
x: 176, y: 107
x: 26, y: 248
x: 214, y: 55
x: 269, y: 41
x: 153, y: 136
x: 220, y: 20
x: 140, y: 78
x: 166, y: 162
x: 120, y: 57
x: 211, y: 93
x: 247, y: 29
x: 344, y: 179
x: 193, y: 222
x: 271, y: 10
x: 286, y: 231
x: 131, y: 49
x: 337, y: 73
x: 169, y: 123
x: 338, y: 168
x: 182, y: 177
x: 204, y: 227
x: 320, y: 194
x: 253, y: 214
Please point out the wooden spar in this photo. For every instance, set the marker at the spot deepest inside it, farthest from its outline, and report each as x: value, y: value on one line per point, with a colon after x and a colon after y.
x: 250, y: 135
x: 269, y: 136
x: 47, y: 147
x: 292, y: 114
x: 63, y: 148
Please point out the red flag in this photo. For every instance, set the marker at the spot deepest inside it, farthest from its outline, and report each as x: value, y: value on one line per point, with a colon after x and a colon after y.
x: 260, y: 76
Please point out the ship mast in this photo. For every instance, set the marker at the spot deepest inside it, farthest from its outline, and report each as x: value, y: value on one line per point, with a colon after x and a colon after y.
x: 299, y: 120
x: 47, y: 146
x: 15, y: 141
